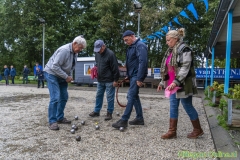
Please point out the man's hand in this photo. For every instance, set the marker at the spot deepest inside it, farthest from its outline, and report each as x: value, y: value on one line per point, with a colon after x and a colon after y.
x: 126, y: 78
x: 115, y: 84
x: 139, y: 83
x: 69, y: 79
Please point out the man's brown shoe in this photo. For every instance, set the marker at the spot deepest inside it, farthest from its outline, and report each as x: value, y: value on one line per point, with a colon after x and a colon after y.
x: 94, y: 114
x: 64, y: 121
x: 54, y: 126
x: 108, y: 116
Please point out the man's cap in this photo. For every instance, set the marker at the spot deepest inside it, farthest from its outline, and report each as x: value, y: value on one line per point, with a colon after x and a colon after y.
x: 98, y: 45
x: 128, y: 33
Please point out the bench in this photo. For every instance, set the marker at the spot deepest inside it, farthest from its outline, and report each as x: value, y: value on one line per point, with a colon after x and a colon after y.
x: 30, y: 78
x: 148, y: 81
x: 152, y: 82
x: 85, y: 81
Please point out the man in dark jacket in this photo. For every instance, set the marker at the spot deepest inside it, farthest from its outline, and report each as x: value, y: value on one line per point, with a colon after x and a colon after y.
x: 35, y: 69
x: 25, y: 74
x: 40, y: 75
x: 137, y: 68
x: 108, y: 75
x: 6, y: 74
x: 12, y: 73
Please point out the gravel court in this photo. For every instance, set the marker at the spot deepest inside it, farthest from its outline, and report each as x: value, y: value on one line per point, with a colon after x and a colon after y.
x: 25, y: 134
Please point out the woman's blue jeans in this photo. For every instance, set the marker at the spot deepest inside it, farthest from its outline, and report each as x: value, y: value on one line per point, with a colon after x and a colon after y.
x: 187, y: 105
x: 110, y: 93
x: 133, y: 100
x: 58, y: 97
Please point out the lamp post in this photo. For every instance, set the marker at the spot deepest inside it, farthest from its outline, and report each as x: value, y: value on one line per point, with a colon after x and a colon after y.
x: 138, y: 8
x: 43, y: 24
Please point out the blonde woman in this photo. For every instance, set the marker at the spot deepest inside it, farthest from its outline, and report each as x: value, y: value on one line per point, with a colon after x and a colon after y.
x: 177, y: 70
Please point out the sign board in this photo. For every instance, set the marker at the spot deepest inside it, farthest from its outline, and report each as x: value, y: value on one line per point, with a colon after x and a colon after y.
x: 218, y: 73
x: 149, y: 72
x: 156, y: 72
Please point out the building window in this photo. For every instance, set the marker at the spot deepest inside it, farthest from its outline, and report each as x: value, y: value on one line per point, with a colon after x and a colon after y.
x: 87, y: 69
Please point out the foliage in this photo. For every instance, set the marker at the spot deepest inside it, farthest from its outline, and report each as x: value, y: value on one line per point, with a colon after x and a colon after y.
x: 229, y: 94
x: 222, y: 121
x: 236, y: 91
x: 21, y: 31
x: 238, y: 107
x: 222, y: 104
x: 206, y: 91
x: 221, y: 63
x: 211, y: 104
x: 219, y: 88
x: 211, y: 93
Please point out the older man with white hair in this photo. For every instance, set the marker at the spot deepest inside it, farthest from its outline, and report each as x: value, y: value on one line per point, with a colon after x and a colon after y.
x: 58, y: 73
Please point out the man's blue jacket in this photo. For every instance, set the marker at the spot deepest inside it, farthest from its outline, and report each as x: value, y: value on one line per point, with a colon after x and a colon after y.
x: 137, y: 60
x: 6, y: 72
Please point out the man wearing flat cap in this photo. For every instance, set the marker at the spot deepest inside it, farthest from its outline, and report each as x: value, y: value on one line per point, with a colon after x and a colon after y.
x: 108, y: 75
x: 137, y: 68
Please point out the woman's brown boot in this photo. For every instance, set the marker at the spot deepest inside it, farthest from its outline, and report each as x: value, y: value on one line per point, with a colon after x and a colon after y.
x: 172, y: 132
x: 197, y: 130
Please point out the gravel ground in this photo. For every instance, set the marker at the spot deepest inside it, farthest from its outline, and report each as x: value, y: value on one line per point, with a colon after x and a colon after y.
x: 25, y: 134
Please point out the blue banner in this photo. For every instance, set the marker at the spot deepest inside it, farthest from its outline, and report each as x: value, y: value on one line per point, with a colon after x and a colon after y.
x: 218, y: 73
x: 191, y: 8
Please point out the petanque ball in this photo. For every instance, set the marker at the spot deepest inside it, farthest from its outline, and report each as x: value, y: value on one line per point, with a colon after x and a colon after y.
x: 73, y: 126
x: 121, y: 129
x: 97, y: 127
x: 78, y: 138
x: 76, y: 117
x: 83, y: 122
x: 72, y: 131
x: 118, y: 114
x: 76, y: 128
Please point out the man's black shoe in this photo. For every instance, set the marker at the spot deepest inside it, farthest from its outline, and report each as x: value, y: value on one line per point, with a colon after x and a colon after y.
x: 136, y: 122
x: 108, y: 116
x: 120, y: 123
x: 94, y: 114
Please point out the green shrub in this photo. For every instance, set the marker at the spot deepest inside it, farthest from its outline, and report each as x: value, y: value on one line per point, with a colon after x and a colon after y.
x: 222, y: 104
x: 236, y: 91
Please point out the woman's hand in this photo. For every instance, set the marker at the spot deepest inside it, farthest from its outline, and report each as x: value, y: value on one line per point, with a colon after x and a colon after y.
x: 159, y: 88
x: 171, y: 86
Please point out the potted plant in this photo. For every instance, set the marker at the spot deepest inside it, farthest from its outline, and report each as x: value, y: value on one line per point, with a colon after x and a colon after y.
x: 217, y: 92
x: 210, y: 90
x: 236, y: 91
x: 233, y: 101
x: 222, y: 105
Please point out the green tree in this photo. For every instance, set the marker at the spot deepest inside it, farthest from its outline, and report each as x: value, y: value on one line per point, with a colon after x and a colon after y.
x: 21, y: 30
